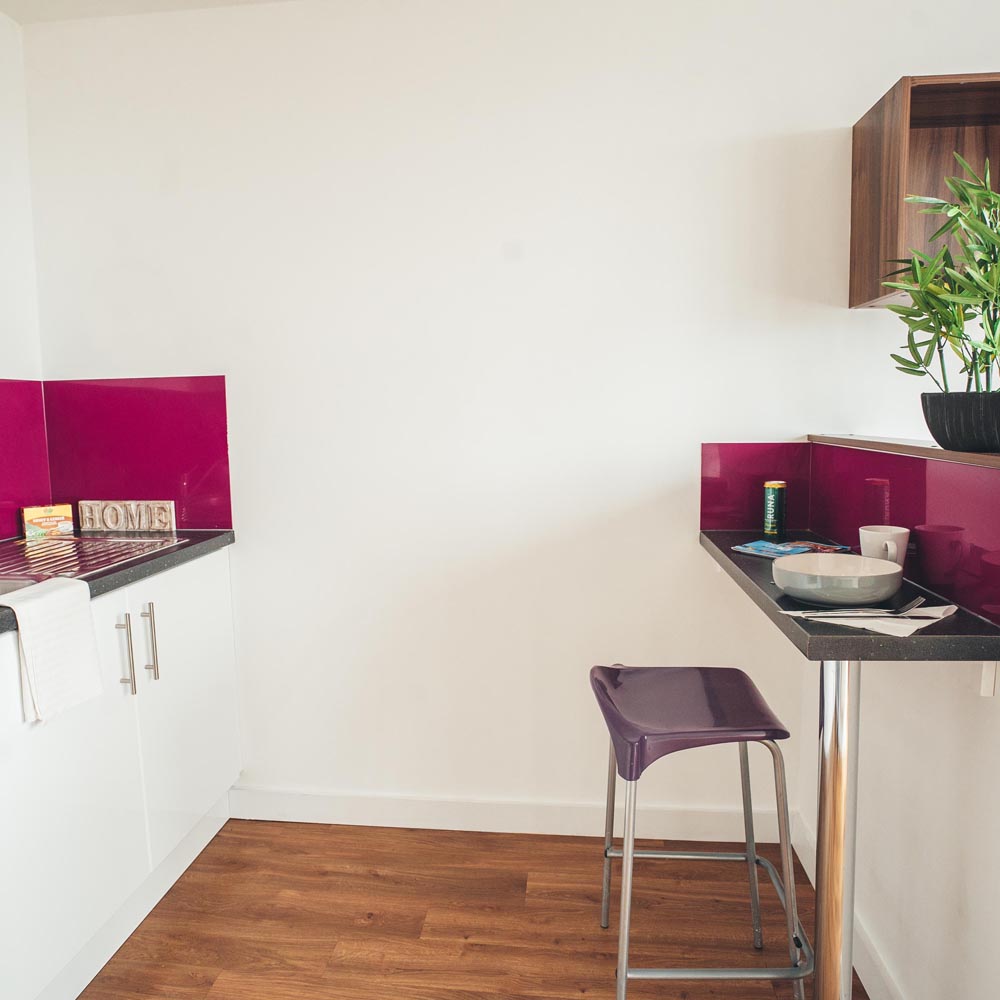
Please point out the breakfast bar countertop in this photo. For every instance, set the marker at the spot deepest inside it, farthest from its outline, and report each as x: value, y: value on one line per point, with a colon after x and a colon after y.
x: 190, y: 544
x: 963, y: 636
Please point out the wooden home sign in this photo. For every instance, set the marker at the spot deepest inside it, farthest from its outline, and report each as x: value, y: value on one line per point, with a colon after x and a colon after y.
x: 127, y: 515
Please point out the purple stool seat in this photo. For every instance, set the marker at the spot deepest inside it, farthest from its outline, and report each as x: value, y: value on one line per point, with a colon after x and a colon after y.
x: 654, y: 711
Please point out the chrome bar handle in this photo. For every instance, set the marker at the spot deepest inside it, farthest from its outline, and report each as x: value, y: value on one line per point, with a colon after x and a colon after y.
x: 155, y: 665
x: 130, y: 680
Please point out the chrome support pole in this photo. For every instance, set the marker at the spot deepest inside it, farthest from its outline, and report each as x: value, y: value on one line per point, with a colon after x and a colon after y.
x: 840, y: 697
x: 787, y: 865
x: 758, y: 936
x: 609, y: 834
x: 628, y: 851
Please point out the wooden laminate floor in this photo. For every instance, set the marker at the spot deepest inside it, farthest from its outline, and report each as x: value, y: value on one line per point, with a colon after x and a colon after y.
x: 295, y: 911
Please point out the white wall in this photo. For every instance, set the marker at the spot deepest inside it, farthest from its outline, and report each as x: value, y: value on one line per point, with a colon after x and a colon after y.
x: 19, y: 344
x: 482, y: 277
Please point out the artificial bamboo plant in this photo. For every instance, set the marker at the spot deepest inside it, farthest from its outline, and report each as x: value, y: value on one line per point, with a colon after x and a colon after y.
x: 949, y: 289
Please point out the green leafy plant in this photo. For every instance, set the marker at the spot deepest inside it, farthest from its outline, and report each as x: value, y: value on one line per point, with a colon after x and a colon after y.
x: 948, y: 290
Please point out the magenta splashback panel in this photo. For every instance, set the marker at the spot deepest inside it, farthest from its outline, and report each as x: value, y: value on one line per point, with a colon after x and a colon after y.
x: 116, y: 439
x: 24, y: 465
x: 143, y: 439
x: 732, y: 483
x: 851, y: 488
x: 952, y: 510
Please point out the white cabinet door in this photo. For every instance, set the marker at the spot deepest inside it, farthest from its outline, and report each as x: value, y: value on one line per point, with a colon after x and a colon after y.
x: 188, y: 721
x: 72, y: 827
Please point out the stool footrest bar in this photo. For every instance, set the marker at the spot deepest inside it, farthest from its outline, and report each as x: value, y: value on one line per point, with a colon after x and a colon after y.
x: 616, y: 852
x: 785, y: 972
x: 803, y: 969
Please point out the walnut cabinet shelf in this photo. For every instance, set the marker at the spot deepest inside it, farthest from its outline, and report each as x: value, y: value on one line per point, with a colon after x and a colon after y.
x: 902, y: 146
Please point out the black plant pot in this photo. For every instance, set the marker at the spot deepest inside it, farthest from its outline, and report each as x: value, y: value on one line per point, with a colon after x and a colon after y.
x: 964, y: 421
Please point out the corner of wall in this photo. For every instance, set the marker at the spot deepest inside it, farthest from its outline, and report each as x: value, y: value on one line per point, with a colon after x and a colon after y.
x: 19, y: 294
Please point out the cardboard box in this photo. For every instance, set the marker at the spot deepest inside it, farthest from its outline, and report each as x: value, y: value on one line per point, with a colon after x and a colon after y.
x: 48, y: 522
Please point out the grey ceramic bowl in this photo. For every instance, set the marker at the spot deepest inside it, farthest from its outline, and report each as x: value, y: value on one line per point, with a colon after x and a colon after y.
x: 837, y: 578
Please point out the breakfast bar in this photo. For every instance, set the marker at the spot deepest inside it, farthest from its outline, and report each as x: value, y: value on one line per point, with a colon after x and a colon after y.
x: 836, y: 487
x: 841, y: 651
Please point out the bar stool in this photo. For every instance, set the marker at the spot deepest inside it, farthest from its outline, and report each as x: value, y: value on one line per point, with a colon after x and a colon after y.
x: 654, y: 711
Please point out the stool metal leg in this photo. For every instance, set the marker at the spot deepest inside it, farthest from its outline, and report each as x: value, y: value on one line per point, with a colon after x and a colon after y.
x: 609, y: 835
x: 758, y: 935
x: 628, y: 853
x: 799, y: 949
x: 787, y: 867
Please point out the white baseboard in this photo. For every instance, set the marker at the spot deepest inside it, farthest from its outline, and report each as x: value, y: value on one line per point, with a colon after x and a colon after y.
x: 491, y: 815
x: 75, y: 976
x: 878, y: 980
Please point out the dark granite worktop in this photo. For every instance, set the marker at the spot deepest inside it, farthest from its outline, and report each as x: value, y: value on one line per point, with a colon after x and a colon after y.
x: 192, y: 545
x: 963, y: 636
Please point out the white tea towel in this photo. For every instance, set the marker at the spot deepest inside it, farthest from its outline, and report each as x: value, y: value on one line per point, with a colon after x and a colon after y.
x: 58, y: 647
x: 899, y: 625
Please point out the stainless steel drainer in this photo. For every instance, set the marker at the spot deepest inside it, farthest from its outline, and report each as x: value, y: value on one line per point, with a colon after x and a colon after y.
x: 42, y: 558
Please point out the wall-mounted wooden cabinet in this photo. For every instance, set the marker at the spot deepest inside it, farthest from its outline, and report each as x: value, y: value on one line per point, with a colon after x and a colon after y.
x: 904, y: 145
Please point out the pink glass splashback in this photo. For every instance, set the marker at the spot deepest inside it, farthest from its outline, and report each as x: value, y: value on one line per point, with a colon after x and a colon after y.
x: 952, y: 510
x: 852, y: 488
x: 143, y: 439
x: 732, y: 483
x: 24, y: 466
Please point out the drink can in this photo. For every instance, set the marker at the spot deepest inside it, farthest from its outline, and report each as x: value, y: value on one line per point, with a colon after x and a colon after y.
x: 774, y: 508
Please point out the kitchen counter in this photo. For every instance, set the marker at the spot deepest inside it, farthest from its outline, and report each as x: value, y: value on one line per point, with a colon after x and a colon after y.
x: 963, y: 636
x: 191, y: 545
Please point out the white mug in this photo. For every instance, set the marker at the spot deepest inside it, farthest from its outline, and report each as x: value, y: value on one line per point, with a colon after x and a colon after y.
x: 883, y: 541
